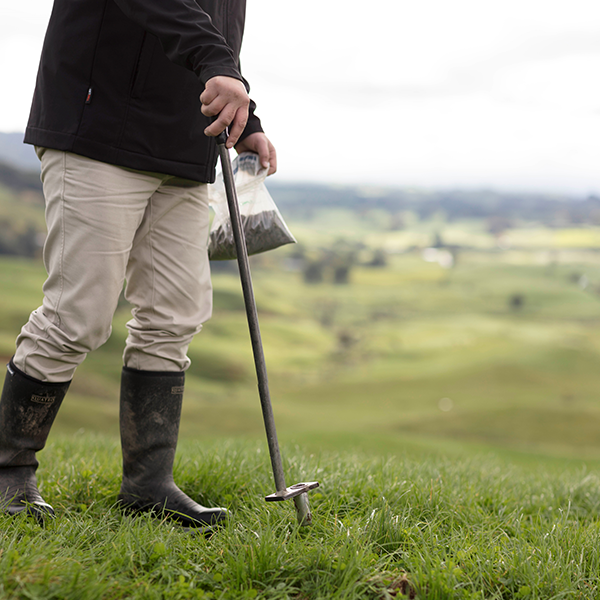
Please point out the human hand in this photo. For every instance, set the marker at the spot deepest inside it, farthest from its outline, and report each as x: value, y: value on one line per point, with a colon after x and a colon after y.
x: 260, y: 144
x: 225, y: 98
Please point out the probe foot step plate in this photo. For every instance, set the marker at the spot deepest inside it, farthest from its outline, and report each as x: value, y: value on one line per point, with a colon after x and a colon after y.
x: 292, y: 491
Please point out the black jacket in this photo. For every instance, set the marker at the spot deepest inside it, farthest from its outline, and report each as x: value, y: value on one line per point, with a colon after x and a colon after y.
x: 119, y: 81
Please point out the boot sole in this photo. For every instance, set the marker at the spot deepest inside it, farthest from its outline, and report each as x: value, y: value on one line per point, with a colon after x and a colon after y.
x: 186, y: 523
x: 40, y: 512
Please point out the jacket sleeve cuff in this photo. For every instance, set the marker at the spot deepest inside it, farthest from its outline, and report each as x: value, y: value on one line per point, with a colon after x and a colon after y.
x: 206, y: 74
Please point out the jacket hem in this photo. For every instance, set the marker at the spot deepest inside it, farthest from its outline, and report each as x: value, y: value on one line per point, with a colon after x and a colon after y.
x: 201, y: 173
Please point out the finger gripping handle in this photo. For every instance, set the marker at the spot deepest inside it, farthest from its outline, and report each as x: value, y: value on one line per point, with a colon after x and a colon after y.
x: 222, y: 137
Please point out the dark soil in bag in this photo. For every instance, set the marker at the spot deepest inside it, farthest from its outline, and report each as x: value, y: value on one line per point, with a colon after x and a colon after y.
x: 263, y: 231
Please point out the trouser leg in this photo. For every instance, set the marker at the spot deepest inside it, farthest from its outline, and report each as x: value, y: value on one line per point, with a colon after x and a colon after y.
x: 92, y: 211
x: 168, y: 278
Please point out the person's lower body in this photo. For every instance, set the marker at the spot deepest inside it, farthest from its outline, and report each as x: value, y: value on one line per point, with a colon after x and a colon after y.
x: 107, y: 226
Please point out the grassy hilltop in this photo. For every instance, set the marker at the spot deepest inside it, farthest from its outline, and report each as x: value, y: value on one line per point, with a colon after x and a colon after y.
x: 446, y: 398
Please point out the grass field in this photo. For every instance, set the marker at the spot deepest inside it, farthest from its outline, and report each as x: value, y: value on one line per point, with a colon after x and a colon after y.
x: 454, y: 429
x: 426, y: 525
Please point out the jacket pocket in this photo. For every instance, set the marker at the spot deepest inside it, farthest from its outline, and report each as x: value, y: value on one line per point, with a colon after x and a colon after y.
x: 143, y: 66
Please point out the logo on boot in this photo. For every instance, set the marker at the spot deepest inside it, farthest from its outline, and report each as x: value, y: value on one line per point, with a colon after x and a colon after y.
x: 43, y: 399
x: 177, y: 389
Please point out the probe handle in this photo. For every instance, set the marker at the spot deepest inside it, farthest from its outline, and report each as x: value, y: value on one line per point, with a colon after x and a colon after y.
x: 222, y: 137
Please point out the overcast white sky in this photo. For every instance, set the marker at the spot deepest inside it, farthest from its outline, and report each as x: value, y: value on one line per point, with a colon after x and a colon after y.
x: 432, y: 93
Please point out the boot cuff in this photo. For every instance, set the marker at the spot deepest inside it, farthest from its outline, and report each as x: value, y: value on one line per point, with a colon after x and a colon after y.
x: 153, y: 373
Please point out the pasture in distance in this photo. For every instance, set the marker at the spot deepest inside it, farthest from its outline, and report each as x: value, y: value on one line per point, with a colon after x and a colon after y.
x: 499, y: 350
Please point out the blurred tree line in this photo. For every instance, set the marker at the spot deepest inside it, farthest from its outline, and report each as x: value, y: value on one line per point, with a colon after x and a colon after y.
x: 22, y: 227
x: 500, y: 208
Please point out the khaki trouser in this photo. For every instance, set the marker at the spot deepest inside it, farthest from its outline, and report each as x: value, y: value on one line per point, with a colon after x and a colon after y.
x: 107, y: 224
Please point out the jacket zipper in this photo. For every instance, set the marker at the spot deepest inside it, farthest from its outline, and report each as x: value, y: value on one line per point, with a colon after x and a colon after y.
x: 90, y: 90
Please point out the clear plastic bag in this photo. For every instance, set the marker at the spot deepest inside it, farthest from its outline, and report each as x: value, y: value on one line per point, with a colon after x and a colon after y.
x: 264, y: 227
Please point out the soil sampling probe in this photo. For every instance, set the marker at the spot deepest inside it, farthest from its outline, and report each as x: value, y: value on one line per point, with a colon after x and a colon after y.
x: 297, y: 491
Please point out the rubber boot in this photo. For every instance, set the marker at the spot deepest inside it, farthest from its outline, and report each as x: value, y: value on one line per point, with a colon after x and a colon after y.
x: 150, y: 413
x: 27, y: 410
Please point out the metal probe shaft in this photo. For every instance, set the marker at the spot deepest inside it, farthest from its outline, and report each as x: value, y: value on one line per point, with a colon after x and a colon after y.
x: 301, y: 501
